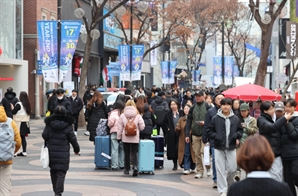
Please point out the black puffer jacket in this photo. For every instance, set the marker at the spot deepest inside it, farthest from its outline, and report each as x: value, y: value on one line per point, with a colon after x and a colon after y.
x: 289, y: 139
x: 64, y: 102
x: 58, y: 133
x: 270, y: 129
x: 149, y: 123
x: 96, y: 113
x: 217, y: 131
x: 159, y: 101
x: 210, y: 113
x: 9, y: 98
x: 76, y: 104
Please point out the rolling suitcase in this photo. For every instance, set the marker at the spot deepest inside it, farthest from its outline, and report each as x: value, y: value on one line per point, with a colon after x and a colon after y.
x: 159, y: 151
x: 102, y: 155
x: 146, y: 156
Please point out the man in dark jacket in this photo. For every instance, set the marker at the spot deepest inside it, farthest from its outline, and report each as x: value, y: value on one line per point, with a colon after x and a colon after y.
x: 270, y: 130
x: 195, y: 123
x: 64, y: 101
x: 226, y: 131
x: 9, y: 98
x: 58, y: 134
x: 186, y: 97
x: 77, y: 105
x: 51, y: 101
x: 160, y: 101
x: 149, y: 97
x: 209, y: 115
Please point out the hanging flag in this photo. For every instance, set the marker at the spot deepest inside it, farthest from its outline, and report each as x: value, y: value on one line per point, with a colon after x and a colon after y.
x: 137, y: 59
x: 173, y: 65
x: 164, y: 72
x: 229, y: 64
x: 105, y: 74
x: 70, y: 31
x: 196, y: 77
x: 123, y: 52
x: 235, y: 71
x: 153, y: 54
x: 47, y: 44
x: 217, y: 78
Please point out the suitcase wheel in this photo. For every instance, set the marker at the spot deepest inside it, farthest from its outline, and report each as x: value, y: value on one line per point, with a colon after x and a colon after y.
x: 152, y: 173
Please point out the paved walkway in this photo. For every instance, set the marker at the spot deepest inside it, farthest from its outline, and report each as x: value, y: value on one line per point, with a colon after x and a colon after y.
x: 29, y: 179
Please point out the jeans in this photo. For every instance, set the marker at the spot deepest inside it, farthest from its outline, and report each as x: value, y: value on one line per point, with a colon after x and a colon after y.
x: 5, y: 183
x: 58, y: 178
x: 117, y: 152
x: 130, y: 149
x: 187, y: 160
x: 213, y: 165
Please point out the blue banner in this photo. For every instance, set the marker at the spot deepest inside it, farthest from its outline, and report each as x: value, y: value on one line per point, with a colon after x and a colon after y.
x: 137, y: 58
x: 168, y: 71
x: 124, y: 60
x: 48, y: 46
x: 235, y: 71
x: 165, y: 72
x: 217, y: 78
x: 229, y: 65
x: 196, y: 77
x: 173, y: 65
x: 70, y: 31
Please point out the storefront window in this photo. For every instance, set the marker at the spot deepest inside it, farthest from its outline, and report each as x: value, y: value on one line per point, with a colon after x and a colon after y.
x: 8, y: 34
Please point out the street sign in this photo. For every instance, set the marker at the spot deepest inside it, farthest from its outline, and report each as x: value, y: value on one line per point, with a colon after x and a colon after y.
x: 281, y: 78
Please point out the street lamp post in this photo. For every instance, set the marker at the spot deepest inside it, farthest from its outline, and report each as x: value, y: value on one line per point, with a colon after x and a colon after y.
x: 223, y: 52
x: 130, y: 47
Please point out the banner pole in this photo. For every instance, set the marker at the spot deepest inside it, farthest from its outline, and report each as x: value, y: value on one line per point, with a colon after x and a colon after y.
x: 59, y: 38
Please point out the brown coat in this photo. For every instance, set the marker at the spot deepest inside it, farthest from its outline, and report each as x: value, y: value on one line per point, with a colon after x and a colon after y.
x: 181, y: 141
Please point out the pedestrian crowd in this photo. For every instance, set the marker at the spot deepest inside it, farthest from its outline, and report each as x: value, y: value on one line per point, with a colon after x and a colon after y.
x: 202, y: 130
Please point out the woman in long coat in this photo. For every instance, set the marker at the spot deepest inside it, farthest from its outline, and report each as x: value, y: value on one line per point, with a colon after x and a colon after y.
x: 171, y: 119
x: 186, y: 156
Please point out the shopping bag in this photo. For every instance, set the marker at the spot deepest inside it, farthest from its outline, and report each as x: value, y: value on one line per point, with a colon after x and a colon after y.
x: 44, y: 157
x: 154, y: 132
x: 206, y: 155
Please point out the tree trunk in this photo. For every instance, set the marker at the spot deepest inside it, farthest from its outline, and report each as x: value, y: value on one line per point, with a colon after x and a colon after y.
x: 82, y: 122
x: 262, y: 67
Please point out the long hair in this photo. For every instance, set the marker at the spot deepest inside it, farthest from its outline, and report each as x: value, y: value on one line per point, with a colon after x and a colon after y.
x: 141, y: 100
x: 25, y: 102
x: 131, y: 103
x: 119, y: 105
x: 96, y: 99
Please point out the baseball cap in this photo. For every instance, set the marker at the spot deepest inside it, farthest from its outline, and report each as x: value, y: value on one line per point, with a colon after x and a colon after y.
x: 244, y: 106
x: 279, y: 106
x: 200, y: 93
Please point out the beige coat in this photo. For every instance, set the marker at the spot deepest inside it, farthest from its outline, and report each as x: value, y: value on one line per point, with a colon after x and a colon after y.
x: 181, y: 141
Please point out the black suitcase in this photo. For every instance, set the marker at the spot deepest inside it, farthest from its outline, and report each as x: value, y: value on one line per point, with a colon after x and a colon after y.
x: 159, y: 151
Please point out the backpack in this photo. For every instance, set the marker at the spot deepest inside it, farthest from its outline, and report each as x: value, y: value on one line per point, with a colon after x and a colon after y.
x: 159, y: 114
x: 130, y: 127
x: 102, y: 128
x: 7, y: 143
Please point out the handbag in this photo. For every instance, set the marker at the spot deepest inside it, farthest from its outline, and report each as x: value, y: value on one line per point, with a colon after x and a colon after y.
x: 206, y: 155
x: 44, y: 156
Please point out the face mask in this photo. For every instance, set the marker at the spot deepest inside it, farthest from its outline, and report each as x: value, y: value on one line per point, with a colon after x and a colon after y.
x: 60, y: 98
x: 73, y: 97
x: 91, y: 93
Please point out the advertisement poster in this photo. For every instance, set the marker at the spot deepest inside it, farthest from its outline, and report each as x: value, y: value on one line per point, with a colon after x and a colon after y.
x: 229, y: 64
x: 123, y: 51
x: 137, y: 58
x: 68, y: 87
x: 217, y: 79
x: 48, y: 47
x: 70, y: 31
x: 235, y: 71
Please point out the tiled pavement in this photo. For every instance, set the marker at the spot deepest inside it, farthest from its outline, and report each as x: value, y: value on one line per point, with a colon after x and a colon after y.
x: 29, y: 179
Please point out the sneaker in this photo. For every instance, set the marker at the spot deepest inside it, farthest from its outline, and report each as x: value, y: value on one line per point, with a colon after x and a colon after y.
x: 198, y: 176
x: 223, y: 194
x: 208, y: 172
x: 237, y: 176
x: 87, y: 133
x: 126, y: 172
x: 192, y: 171
x: 214, y: 185
x: 165, y: 149
x: 186, y: 172
x: 75, y: 133
x: 21, y: 154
